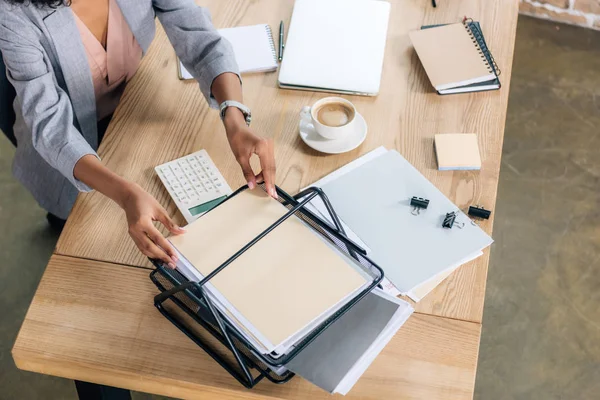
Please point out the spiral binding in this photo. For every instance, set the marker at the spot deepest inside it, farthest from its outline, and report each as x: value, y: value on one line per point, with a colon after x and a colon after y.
x: 270, y: 35
x: 479, y: 41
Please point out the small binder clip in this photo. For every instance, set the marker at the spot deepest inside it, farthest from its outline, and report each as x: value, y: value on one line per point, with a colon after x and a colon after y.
x: 450, y: 220
x: 479, y: 212
x: 418, y: 203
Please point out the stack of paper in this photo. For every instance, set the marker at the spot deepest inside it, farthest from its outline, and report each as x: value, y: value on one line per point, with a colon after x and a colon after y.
x: 415, y: 252
x: 292, y: 270
x: 285, y: 285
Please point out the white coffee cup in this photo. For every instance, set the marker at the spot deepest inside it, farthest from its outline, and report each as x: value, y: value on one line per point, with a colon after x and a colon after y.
x: 332, y: 117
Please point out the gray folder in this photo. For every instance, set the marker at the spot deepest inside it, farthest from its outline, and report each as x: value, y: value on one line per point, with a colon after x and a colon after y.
x: 332, y: 354
x: 374, y: 200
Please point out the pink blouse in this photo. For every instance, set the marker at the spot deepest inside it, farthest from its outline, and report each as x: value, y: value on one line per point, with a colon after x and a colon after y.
x: 114, y: 66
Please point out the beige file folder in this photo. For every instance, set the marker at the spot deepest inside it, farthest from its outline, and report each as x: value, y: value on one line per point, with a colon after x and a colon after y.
x: 450, y: 56
x: 283, y: 282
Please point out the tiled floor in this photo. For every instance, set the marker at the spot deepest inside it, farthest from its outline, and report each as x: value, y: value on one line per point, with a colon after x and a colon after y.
x: 541, y: 332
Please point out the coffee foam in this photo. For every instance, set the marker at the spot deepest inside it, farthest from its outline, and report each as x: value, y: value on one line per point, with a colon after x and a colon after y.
x: 334, y: 114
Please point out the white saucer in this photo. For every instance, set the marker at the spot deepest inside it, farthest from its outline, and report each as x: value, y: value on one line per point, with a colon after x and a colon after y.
x: 329, y: 146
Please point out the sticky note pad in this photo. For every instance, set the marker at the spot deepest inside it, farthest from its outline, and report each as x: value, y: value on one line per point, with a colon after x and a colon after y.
x: 457, y: 151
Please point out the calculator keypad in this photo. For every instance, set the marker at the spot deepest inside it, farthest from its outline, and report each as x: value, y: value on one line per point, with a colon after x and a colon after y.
x: 193, y: 180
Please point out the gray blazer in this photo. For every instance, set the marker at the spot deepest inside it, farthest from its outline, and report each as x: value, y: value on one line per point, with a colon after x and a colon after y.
x: 55, y: 105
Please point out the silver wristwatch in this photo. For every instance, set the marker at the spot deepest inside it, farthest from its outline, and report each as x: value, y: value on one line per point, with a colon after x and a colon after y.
x: 232, y: 103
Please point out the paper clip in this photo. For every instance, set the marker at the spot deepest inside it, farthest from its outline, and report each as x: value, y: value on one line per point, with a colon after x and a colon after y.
x: 450, y: 221
x: 418, y: 203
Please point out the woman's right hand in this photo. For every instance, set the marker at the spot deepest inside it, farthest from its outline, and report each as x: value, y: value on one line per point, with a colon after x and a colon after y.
x: 142, y: 210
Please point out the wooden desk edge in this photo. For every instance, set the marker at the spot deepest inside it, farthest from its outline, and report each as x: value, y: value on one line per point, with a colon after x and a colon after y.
x: 33, y: 362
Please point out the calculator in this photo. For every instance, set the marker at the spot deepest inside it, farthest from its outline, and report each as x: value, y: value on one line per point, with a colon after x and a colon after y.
x: 194, y: 183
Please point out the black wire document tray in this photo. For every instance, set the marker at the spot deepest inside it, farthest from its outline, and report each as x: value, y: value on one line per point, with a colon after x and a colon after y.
x: 186, y: 304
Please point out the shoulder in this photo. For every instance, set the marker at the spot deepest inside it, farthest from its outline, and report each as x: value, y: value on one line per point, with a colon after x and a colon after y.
x: 15, y: 16
x: 26, y: 14
x: 20, y: 22
x: 23, y: 11
x: 11, y: 13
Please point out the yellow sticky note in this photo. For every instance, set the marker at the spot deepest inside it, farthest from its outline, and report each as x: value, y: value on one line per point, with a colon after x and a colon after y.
x: 457, y: 151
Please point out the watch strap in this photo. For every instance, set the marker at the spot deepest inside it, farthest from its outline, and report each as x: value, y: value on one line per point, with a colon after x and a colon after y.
x: 232, y: 103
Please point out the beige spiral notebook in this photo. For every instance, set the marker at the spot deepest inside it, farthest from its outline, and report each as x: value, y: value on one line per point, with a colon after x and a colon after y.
x: 285, y: 281
x: 451, y: 56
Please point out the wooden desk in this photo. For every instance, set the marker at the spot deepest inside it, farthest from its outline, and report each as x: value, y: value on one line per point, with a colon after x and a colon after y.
x: 81, y: 332
x: 94, y: 321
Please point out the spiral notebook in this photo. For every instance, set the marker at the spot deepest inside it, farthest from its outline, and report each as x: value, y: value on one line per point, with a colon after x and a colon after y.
x: 456, y: 57
x: 253, y: 47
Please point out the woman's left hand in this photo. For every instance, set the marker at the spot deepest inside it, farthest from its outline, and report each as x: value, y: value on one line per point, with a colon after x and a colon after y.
x: 244, y: 143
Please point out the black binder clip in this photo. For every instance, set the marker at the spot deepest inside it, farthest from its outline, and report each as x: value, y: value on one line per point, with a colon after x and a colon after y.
x: 479, y: 212
x: 450, y: 220
x: 418, y: 203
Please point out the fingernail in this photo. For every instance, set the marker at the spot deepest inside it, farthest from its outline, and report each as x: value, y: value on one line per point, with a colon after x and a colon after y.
x: 174, y: 258
x: 171, y: 265
x: 251, y: 185
x: 179, y: 228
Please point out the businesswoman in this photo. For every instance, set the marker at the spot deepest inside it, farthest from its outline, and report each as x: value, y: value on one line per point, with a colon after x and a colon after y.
x: 69, y: 62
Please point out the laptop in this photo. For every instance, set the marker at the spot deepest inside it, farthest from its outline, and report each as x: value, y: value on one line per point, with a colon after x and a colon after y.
x: 336, y: 46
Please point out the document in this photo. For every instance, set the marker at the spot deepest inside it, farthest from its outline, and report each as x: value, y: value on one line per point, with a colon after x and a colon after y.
x: 411, y: 249
x: 282, y: 284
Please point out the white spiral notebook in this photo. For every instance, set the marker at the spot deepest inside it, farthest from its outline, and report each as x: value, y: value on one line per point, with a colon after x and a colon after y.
x: 253, y: 47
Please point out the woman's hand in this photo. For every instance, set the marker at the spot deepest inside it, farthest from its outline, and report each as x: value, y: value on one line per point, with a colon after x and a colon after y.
x: 244, y: 143
x: 141, y: 210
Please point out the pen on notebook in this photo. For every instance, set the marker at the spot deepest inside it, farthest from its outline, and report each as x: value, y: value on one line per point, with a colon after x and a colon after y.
x: 281, y: 45
x: 433, y: 3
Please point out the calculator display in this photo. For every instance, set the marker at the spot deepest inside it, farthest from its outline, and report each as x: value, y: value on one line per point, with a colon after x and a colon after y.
x: 202, y: 208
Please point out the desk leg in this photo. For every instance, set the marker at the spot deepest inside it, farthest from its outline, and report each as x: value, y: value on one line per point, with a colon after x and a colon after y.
x: 92, y: 391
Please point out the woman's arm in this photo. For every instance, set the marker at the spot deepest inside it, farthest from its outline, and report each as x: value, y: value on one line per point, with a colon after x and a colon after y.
x: 48, y: 113
x: 201, y: 49
x: 210, y: 59
x: 45, y: 106
x: 244, y: 143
